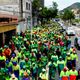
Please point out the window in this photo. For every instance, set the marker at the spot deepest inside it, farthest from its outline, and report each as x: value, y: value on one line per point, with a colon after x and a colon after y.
x: 27, y: 5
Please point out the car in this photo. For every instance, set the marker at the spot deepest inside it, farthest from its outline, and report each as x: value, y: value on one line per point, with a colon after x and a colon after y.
x: 62, y: 30
x: 70, y: 32
x: 77, y: 42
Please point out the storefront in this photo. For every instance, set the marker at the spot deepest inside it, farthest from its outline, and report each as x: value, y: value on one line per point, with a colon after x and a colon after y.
x: 6, y: 33
x: 8, y: 24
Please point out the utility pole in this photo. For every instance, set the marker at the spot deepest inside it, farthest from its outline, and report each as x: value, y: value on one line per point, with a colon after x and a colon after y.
x: 21, y: 8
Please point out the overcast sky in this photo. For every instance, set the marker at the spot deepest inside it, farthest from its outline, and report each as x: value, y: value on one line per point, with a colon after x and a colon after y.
x: 61, y: 3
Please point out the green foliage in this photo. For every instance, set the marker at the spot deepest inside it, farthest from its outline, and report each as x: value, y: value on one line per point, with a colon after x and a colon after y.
x: 48, y: 13
x: 35, y: 7
x: 68, y: 15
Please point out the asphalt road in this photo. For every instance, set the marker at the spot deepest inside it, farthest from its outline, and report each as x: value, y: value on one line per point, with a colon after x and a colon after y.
x: 77, y: 30
x: 78, y: 53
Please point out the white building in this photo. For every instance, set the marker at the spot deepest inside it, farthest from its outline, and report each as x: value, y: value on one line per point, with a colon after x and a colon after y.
x: 12, y: 7
x: 76, y: 13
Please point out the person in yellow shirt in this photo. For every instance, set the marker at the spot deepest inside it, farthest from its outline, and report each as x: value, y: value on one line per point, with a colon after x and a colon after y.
x: 74, y: 58
x: 73, y: 74
x: 43, y: 75
x: 16, y: 69
x: 13, y: 77
x: 64, y: 74
x: 68, y: 61
x: 2, y: 60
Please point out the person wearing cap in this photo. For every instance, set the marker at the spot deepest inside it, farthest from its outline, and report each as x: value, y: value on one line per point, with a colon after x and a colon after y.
x: 13, y: 77
x: 74, y: 58
x: 61, y: 64
x: 44, y: 60
x: 73, y: 73
x: 52, y: 69
x: 58, y: 52
x: 9, y: 65
x: 64, y: 74
x: 71, y: 49
x: 22, y: 72
x: 68, y: 61
x: 34, y: 71
x: 14, y: 58
x: 28, y: 63
x: 22, y: 62
x: 16, y: 69
x: 2, y: 59
x: 26, y: 76
x: 7, y: 51
x: 54, y: 57
x: 19, y: 55
x: 43, y: 75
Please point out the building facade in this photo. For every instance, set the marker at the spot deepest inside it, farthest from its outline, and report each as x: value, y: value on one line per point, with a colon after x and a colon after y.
x: 8, y: 25
x: 42, y: 3
x: 13, y: 7
x: 76, y: 13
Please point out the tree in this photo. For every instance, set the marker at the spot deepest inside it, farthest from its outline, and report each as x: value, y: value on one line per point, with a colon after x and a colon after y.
x: 35, y: 7
x: 68, y: 15
x: 48, y: 13
x: 54, y: 5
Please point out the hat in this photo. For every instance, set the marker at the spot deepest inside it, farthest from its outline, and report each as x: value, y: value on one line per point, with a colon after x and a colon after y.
x: 68, y: 53
x: 12, y: 76
x: 65, y: 68
x: 13, y: 55
x: 14, y: 63
x: 5, y: 46
x: 25, y: 74
x: 26, y: 59
x: 43, y: 70
x: 24, y: 67
x: 60, y: 57
x: 7, y: 61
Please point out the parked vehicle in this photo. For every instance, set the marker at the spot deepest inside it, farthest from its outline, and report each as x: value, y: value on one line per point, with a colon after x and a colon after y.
x: 70, y: 32
x: 77, y: 43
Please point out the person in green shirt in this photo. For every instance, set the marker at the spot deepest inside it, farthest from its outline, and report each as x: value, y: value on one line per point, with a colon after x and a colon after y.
x: 22, y: 72
x: 34, y: 71
x: 9, y: 65
x: 61, y: 64
x: 54, y: 57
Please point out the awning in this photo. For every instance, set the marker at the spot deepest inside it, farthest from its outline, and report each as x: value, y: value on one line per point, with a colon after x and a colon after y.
x: 7, y: 28
x: 7, y: 16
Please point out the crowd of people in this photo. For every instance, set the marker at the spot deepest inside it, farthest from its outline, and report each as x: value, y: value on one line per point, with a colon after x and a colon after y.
x: 38, y: 56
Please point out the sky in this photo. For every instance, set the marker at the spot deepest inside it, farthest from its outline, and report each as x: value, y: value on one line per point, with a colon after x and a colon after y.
x: 61, y: 3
